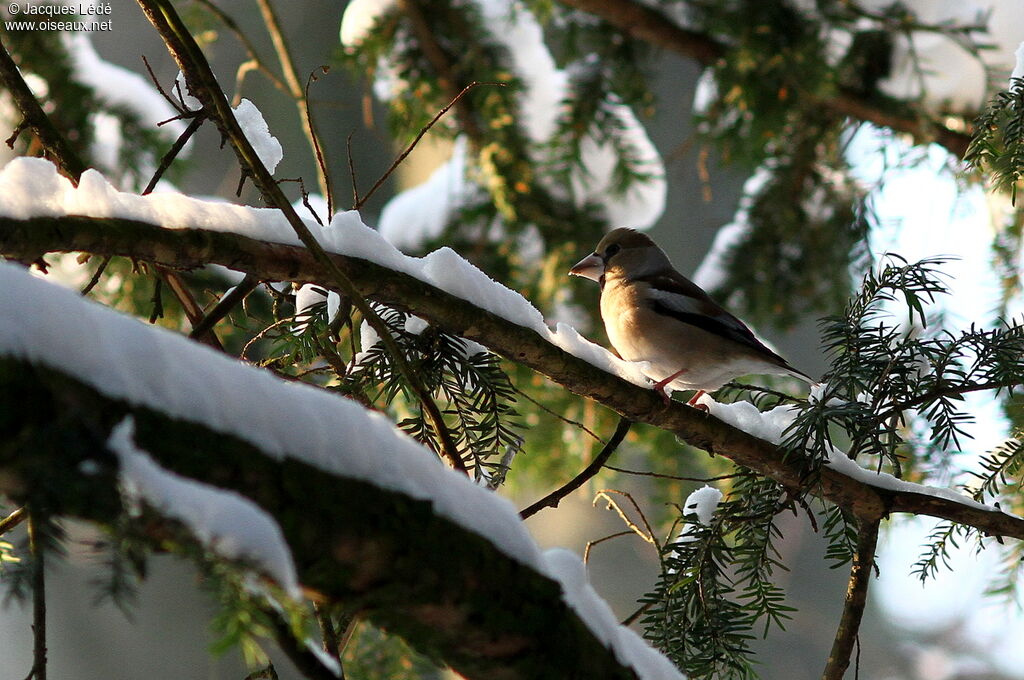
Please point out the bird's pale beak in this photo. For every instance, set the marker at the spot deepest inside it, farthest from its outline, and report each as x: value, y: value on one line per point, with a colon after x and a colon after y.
x: 591, y: 267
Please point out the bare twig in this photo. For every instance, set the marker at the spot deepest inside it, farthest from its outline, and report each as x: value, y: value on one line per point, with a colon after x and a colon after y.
x: 96, y: 276
x: 856, y: 598
x: 225, y: 305
x: 173, y: 152
x: 305, y: 198
x: 55, y: 146
x: 646, y: 533
x: 177, y: 104
x: 38, y: 671
x: 291, y: 79
x: 401, y: 157
x: 567, y: 421
x: 321, y: 161
x: 328, y: 632
x: 591, y: 544
x: 352, y: 169
x: 553, y: 498
x: 12, y: 520
x: 661, y: 475
x: 306, y: 661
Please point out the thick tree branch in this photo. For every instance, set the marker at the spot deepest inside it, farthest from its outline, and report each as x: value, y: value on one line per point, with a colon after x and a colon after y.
x: 445, y: 589
x: 275, y: 262
x: 649, y: 25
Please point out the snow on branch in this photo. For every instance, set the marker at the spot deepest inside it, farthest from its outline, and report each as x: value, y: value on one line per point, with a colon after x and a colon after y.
x: 149, y: 373
x: 444, y: 289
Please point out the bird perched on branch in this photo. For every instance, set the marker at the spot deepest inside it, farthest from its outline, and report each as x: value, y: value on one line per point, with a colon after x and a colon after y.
x: 652, y: 313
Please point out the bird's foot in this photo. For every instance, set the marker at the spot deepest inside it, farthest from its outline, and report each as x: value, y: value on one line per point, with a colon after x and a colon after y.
x: 693, y: 401
x: 659, y: 386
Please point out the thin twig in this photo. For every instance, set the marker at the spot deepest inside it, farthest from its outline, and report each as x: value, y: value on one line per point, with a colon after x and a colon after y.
x: 856, y: 598
x: 553, y: 498
x: 567, y: 421
x: 188, y: 303
x: 305, y: 198
x: 225, y: 305
x: 56, y: 147
x: 401, y: 157
x: 38, y: 671
x: 173, y: 152
x: 661, y: 475
x: 291, y: 78
x: 628, y: 621
x: 96, y: 276
x: 263, y: 333
x: 352, y: 168
x: 12, y: 520
x: 591, y: 544
x: 320, y: 160
x: 178, y: 105
x: 306, y: 661
x: 647, y: 533
x: 328, y: 633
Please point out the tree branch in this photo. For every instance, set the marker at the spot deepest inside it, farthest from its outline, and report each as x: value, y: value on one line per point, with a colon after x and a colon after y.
x: 38, y: 551
x: 57, y: 148
x: 654, y: 27
x: 856, y: 598
x: 299, y: 94
x: 276, y: 262
x: 553, y: 498
x: 410, y: 571
x: 203, y: 84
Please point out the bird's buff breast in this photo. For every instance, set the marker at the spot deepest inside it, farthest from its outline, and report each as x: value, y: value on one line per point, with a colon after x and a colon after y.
x: 638, y: 334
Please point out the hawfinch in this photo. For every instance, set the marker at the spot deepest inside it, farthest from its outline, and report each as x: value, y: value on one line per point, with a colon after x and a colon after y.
x: 652, y: 313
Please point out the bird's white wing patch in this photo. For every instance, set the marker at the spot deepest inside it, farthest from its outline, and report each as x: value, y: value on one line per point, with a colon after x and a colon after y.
x: 686, y: 304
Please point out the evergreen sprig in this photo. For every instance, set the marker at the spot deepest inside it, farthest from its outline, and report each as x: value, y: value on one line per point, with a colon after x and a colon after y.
x: 998, y: 145
x: 716, y: 584
x: 474, y: 393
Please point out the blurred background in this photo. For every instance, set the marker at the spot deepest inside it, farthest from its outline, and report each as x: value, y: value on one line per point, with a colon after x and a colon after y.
x: 919, y: 204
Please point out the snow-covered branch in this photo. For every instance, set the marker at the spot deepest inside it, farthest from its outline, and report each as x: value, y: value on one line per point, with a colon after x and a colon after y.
x: 650, y: 25
x: 447, y: 291
x: 99, y: 411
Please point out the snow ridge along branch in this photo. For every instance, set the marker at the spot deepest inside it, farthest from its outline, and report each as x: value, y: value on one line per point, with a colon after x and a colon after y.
x: 193, y: 247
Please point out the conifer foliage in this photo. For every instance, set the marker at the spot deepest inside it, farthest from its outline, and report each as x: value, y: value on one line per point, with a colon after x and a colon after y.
x: 546, y: 109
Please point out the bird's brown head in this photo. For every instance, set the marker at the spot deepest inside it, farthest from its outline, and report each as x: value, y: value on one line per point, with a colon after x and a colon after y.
x: 623, y: 250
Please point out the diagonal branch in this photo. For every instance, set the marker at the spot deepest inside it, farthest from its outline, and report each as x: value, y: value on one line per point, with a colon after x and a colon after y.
x: 553, y: 498
x: 57, y: 148
x: 649, y: 25
x: 272, y: 261
x: 411, y: 569
x: 203, y: 84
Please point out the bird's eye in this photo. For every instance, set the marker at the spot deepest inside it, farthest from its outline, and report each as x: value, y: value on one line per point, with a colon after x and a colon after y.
x: 611, y: 250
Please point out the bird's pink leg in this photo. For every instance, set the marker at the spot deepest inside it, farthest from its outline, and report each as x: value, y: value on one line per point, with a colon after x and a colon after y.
x: 694, y: 398
x: 659, y: 386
